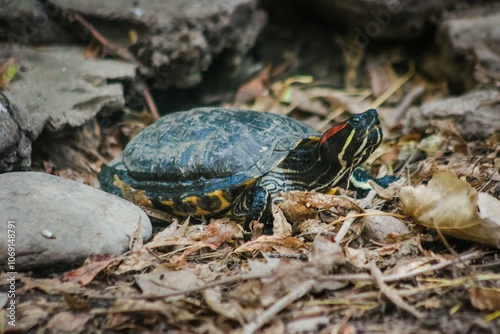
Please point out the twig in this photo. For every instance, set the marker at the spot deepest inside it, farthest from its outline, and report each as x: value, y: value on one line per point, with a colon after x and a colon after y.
x: 183, y: 292
x: 151, y: 103
x: 345, y: 228
x: 459, y: 258
x: 397, y: 277
x: 347, y: 224
x: 279, y: 305
x: 111, y: 47
x: 123, y: 53
x: 394, y: 87
x: 407, y: 101
x: 391, y: 294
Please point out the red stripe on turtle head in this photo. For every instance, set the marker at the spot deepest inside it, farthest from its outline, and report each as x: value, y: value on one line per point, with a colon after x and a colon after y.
x: 332, y: 132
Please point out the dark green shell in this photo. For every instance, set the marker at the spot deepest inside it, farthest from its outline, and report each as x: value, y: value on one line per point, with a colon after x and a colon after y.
x: 206, y: 149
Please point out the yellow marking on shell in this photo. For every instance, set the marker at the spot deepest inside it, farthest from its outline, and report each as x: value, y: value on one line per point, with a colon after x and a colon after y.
x: 331, y: 191
x: 195, y: 201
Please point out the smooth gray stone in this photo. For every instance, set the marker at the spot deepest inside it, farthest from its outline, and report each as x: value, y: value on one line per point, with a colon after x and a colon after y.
x: 83, y: 220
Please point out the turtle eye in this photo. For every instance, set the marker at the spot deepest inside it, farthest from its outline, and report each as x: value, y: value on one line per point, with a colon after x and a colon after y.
x: 356, y: 122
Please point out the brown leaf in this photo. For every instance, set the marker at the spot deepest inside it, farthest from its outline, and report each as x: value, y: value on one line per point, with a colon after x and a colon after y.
x: 49, y: 285
x: 228, y: 309
x: 164, y: 281
x: 454, y: 207
x: 220, y: 231
x: 30, y: 314
x: 485, y: 298
x: 75, y: 302
x: 326, y: 254
x: 92, y: 266
x: 267, y: 243
x: 68, y: 322
x: 299, y: 205
x: 254, y: 88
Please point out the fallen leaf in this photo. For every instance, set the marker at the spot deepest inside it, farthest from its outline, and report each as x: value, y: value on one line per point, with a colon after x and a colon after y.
x: 358, y: 257
x: 229, y: 309
x: 307, y: 325
x: 326, y: 254
x: 8, y: 70
x: 300, y: 205
x: 454, y: 207
x: 50, y: 285
x: 281, y: 227
x: 164, y: 281
x: 267, y: 243
x: 75, y: 302
x: 253, y: 88
x: 3, y: 299
x: 68, y: 322
x: 485, y: 298
x: 92, y: 266
x: 220, y: 231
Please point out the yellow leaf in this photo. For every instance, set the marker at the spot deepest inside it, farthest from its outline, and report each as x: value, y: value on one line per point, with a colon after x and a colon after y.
x: 8, y: 71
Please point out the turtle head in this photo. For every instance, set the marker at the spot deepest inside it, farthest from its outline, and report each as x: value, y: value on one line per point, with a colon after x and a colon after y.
x: 351, y: 142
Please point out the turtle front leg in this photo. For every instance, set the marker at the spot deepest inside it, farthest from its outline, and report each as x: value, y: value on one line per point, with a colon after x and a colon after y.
x: 256, y: 204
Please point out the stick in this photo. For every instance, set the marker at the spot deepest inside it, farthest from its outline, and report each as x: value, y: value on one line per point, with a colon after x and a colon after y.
x: 279, y: 305
x: 391, y: 294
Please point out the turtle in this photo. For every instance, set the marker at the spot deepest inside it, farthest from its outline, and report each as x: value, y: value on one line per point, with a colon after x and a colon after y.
x: 210, y: 162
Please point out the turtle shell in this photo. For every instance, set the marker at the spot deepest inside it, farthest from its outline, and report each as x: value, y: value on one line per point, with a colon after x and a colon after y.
x: 205, y: 149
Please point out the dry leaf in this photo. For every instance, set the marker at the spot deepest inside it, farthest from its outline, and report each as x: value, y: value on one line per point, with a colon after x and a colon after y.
x: 253, y: 88
x: 326, y: 254
x: 230, y: 309
x: 454, y: 207
x: 300, y: 205
x: 220, y: 231
x: 485, y: 299
x: 68, y: 322
x: 92, y: 266
x: 164, y: 281
x: 8, y: 70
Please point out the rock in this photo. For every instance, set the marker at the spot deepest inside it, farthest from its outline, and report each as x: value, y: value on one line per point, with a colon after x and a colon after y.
x: 59, y: 222
x: 469, y: 51
x: 475, y: 114
x: 378, y: 228
x: 380, y: 19
x: 26, y: 22
x: 177, y: 39
x: 55, y: 89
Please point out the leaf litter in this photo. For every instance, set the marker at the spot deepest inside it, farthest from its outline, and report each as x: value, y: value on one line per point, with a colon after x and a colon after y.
x: 320, y: 271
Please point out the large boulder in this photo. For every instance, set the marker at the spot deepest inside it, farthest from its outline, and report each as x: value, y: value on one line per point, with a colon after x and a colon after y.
x: 54, y: 222
x: 26, y: 22
x: 380, y: 19
x: 177, y: 39
x: 469, y: 51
